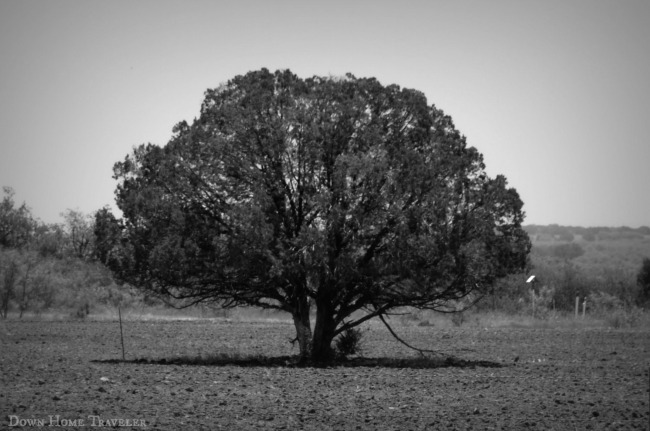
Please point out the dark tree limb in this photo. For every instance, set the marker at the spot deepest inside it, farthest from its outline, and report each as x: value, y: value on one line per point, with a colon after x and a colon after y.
x: 417, y: 349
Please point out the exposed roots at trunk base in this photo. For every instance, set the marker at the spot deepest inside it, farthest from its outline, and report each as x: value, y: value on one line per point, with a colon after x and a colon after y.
x: 315, y: 348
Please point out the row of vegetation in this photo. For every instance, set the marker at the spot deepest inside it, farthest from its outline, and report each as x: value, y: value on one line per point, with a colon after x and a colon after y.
x: 556, y: 232
x: 606, y: 267
x: 59, y: 267
x: 47, y: 267
x: 335, y: 200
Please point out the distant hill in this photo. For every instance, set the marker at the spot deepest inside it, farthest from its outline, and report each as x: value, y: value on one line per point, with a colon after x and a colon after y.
x: 593, y: 249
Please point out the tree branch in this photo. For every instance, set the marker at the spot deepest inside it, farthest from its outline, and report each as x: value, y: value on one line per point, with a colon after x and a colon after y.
x: 420, y: 351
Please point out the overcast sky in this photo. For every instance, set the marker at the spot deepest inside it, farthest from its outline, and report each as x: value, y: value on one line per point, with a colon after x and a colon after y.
x: 555, y: 94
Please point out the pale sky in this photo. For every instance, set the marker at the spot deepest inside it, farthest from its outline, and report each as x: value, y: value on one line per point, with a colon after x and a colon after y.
x: 555, y: 94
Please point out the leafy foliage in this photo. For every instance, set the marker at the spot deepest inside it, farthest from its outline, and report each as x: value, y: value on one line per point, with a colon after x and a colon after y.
x: 107, y: 231
x: 16, y: 223
x: 341, y: 194
x: 80, y: 236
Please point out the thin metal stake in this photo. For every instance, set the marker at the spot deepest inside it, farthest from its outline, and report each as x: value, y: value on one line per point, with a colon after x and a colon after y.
x: 119, y: 313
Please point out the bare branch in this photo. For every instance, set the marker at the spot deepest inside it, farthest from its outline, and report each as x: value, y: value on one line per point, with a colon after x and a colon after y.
x: 420, y: 351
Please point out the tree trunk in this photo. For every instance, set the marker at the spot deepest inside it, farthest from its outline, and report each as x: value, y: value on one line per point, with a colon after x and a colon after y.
x: 323, y: 333
x: 23, y: 300
x: 9, y: 281
x: 303, y: 329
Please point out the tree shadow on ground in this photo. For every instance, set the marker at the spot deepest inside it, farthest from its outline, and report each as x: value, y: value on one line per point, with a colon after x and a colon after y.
x: 220, y: 360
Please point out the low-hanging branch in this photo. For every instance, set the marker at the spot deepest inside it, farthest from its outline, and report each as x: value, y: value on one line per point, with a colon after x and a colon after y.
x: 417, y: 349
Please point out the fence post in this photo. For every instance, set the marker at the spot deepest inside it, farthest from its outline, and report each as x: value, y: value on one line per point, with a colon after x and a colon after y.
x: 119, y: 313
x: 584, y: 307
x: 532, y: 300
x: 577, y: 305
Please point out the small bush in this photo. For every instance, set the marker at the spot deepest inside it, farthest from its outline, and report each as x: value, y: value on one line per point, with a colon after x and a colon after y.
x: 621, y: 318
x: 567, y: 251
x: 614, y: 311
x: 544, y: 302
x: 603, y: 303
x: 349, y: 343
x: 458, y: 318
x: 81, y: 311
x: 643, y: 282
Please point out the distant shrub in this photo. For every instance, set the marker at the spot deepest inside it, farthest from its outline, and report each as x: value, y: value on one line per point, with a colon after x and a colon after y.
x: 543, y: 301
x: 82, y: 311
x: 619, y: 234
x: 568, y: 282
x: 613, y: 310
x: 544, y: 237
x: 621, y: 318
x: 561, y: 233
x: 602, y: 303
x: 643, y: 282
x: 589, y: 236
x: 508, y: 295
x: 9, y: 277
x: 567, y: 251
x: 458, y: 318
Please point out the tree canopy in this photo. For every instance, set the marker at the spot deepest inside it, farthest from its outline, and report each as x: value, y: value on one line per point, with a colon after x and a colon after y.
x: 338, y: 195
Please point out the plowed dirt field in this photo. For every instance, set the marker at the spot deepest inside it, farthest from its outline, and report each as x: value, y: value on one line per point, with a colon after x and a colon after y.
x: 70, y: 374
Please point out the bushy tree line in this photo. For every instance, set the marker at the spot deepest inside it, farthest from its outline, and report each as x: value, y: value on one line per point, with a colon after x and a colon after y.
x: 569, y: 233
x: 51, y: 266
x: 594, y: 263
x: 559, y: 281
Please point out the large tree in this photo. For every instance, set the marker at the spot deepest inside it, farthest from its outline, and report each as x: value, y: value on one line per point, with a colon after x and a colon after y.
x: 334, y: 194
